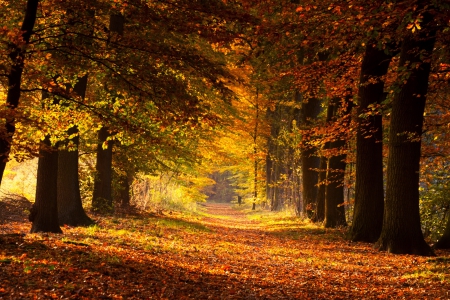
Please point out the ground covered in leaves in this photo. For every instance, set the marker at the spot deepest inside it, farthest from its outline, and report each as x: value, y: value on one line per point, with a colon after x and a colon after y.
x: 218, y: 253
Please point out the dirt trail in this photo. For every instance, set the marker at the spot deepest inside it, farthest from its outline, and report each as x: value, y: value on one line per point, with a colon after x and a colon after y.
x: 224, y: 215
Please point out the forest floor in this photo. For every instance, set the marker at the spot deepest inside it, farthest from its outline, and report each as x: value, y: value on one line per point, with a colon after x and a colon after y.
x: 220, y: 252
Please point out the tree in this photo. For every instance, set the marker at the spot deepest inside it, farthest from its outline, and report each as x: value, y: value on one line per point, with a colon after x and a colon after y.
x: 102, y: 199
x: 70, y: 207
x: 17, y: 57
x: 102, y: 195
x: 369, y: 190
x: 44, y: 212
x: 320, y: 198
x: 401, y: 231
x: 310, y: 162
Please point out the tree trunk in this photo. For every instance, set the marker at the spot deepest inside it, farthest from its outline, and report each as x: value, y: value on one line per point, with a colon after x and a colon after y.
x: 102, y: 199
x: 44, y: 212
x: 444, y: 241
x: 102, y: 196
x: 309, y: 161
x: 401, y: 232
x: 255, y: 158
x: 268, y: 172
x: 334, y: 190
x: 17, y: 56
x: 125, y: 184
x: 369, y: 192
x: 275, y: 179
x: 320, y: 198
x: 70, y: 208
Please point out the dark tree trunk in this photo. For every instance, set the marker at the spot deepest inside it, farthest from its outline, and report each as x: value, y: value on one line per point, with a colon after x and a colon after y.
x: 369, y: 193
x: 320, y: 198
x: 275, y: 179
x: 102, y: 199
x: 17, y: 56
x: 334, y: 190
x: 401, y: 232
x: 444, y: 241
x: 276, y: 159
x: 70, y: 208
x: 268, y: 172
x: 44, y: 213
x: 125, y: 189
x: 102, y: 196
x: 309, y: 160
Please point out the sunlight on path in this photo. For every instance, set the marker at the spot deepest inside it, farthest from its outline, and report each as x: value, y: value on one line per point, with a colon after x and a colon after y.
x: 223, y: 214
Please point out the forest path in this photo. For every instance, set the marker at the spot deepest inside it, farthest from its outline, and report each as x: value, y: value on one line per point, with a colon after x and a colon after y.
x: 223, y: 214
x: 217, y: 253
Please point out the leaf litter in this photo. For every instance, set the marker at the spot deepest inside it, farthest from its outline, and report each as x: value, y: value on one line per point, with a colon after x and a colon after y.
x: 219, y: 253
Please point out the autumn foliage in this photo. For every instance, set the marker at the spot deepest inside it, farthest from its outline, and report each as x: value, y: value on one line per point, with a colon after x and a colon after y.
x: 133, y: 113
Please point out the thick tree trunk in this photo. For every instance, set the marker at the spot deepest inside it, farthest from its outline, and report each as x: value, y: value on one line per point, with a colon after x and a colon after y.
x: 444, y: 241
x: 309, y: 160
x: 102, y: 196
x: 44, y: 213
x: 369, y: 192
x: 70, y: 208
x: 17, y: 56
x: 401, y: 232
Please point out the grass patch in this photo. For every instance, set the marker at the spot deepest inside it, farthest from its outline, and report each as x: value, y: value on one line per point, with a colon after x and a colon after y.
x: 435, y: 269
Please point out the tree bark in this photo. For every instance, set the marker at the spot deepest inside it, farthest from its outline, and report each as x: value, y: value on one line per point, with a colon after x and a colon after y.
x: 401, y: 232
x: 125, y: 181
x: 369, y: 191
x: 70, y: 208
x: 102, y: 196
x: 320, y: 198
x: 17, y: 56
x: 44, y: 212
x: 309, y: 161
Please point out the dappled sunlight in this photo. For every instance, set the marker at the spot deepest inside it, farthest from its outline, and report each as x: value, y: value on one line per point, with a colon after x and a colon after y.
x: 220, y: 252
